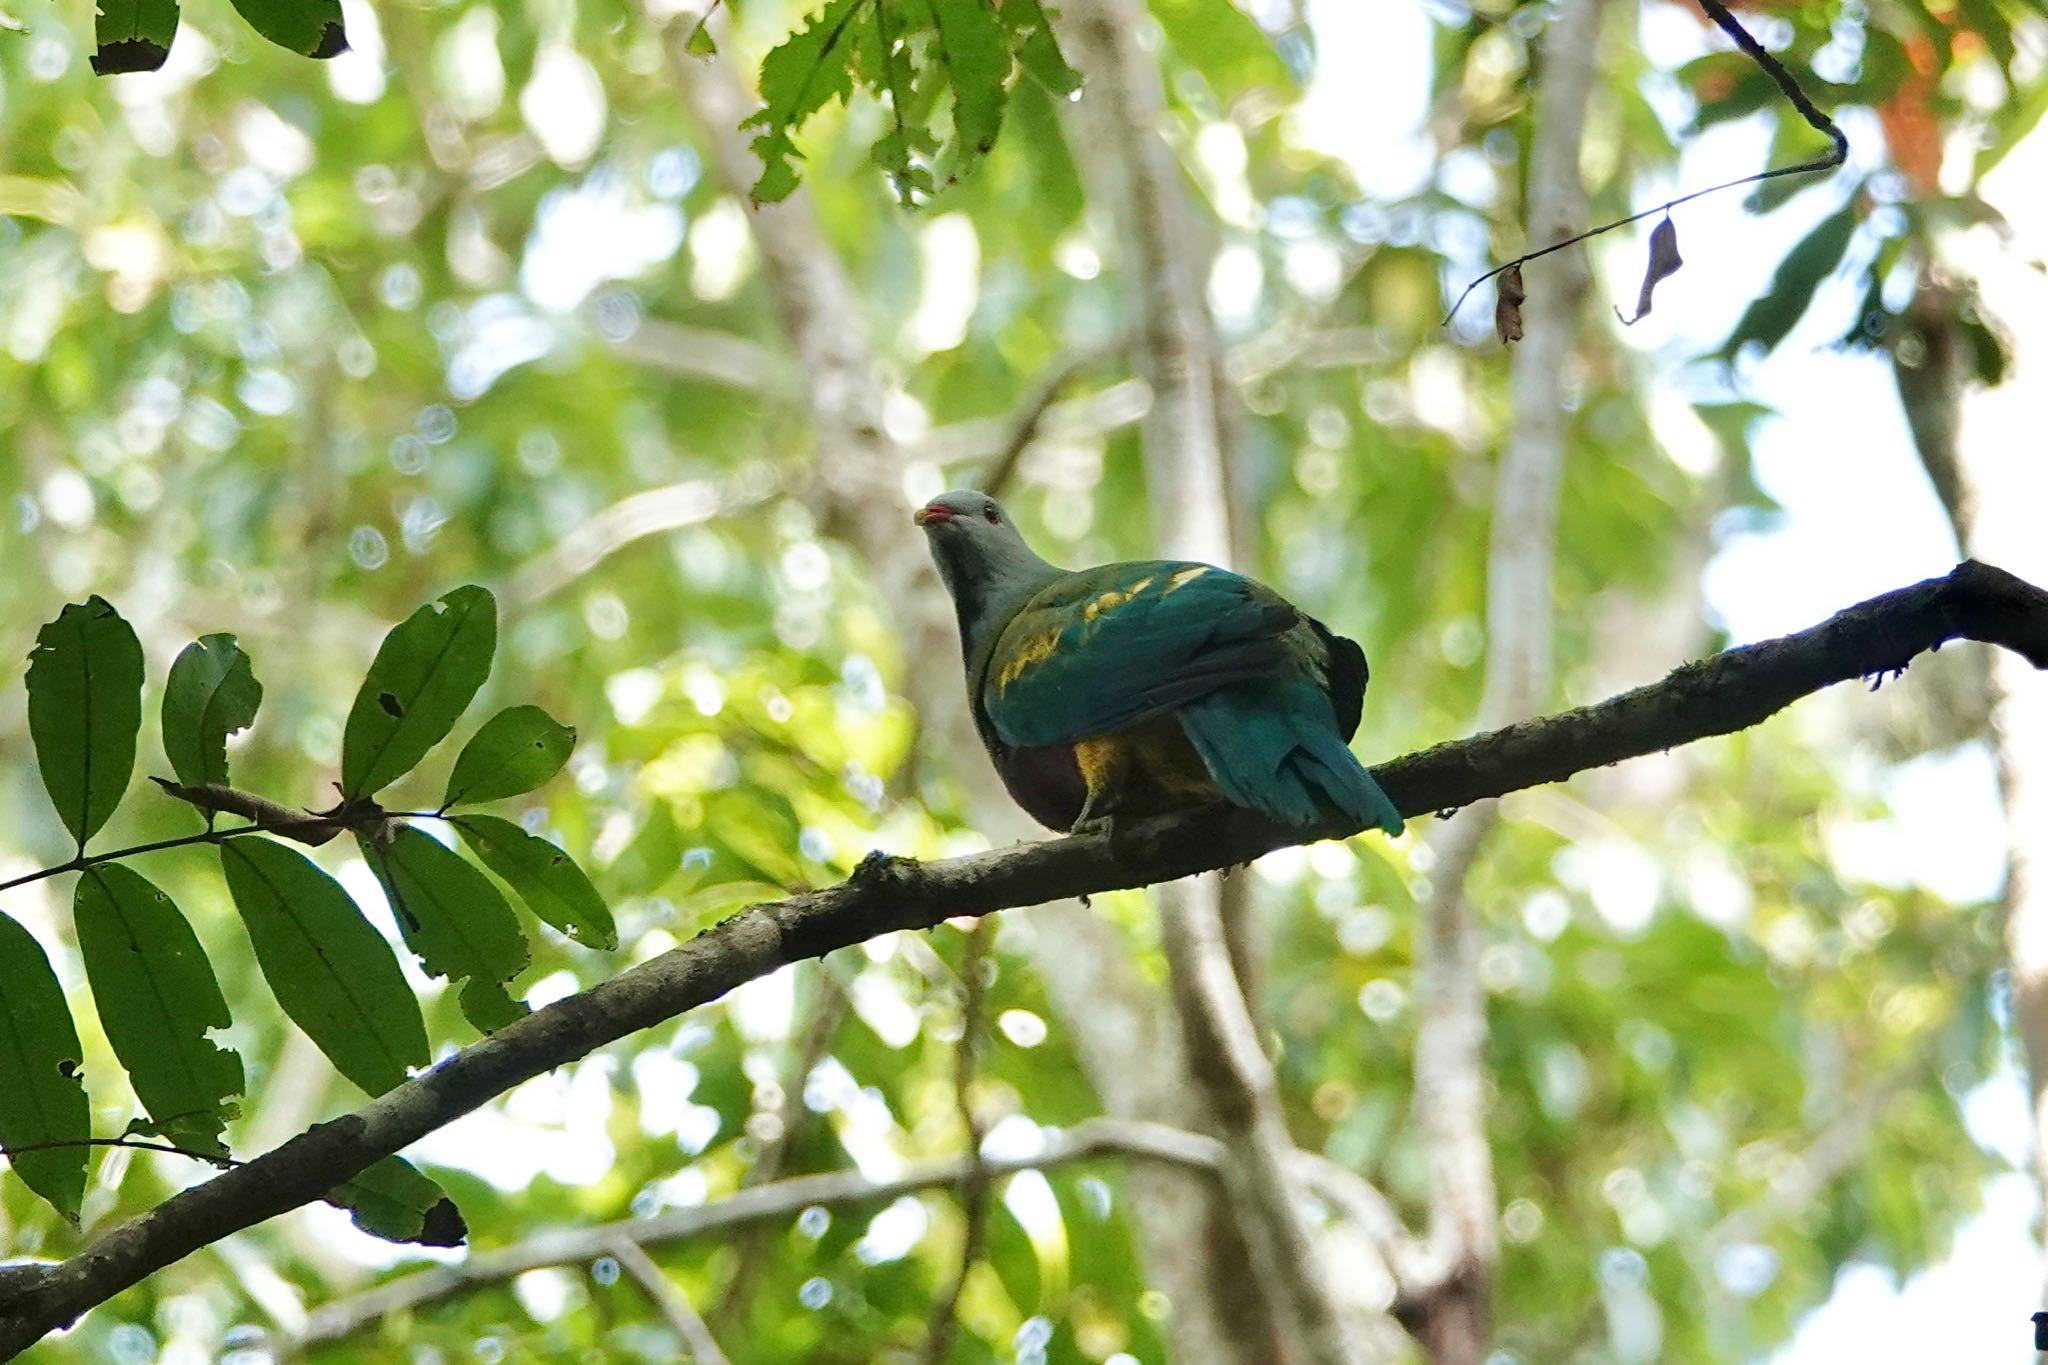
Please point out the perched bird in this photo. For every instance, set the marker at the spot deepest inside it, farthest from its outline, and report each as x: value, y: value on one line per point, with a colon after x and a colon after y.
x: 1149, y: 686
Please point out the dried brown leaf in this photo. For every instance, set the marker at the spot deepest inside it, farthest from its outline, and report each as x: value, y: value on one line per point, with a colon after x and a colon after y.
x: 1664, y: 263
x: 1507, y: 307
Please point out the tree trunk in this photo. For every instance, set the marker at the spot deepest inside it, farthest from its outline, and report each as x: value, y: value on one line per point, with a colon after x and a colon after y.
x: 1450, y: 1062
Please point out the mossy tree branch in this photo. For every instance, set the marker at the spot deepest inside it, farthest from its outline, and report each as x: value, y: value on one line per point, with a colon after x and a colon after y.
x: 1728, y: 692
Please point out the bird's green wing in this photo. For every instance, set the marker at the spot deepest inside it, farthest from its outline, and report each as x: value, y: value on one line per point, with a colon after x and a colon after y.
x: 1101, y: 650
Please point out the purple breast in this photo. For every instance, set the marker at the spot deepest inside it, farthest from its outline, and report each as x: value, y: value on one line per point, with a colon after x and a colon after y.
x: 1046, y: 782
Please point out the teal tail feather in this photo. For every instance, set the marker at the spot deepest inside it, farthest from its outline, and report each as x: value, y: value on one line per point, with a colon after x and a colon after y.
x: 1276, y: 751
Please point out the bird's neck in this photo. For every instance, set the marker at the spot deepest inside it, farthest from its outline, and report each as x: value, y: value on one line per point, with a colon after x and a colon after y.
x: 986, y: 596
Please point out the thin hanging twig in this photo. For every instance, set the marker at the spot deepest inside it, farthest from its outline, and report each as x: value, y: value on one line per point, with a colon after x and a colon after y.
x: 668, y: 1300
x: 1837, y: 153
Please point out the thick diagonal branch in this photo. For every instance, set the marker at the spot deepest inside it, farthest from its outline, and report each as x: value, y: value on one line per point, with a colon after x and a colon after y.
x: 1728, y: 692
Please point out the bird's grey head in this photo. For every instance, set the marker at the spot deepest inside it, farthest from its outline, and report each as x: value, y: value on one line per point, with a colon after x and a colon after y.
x: 983, y: 559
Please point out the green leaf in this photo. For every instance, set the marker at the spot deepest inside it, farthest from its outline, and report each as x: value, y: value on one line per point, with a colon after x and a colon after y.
x: 393, y: 1200
x: 798, y: 78
x: 452, y: 916
x: 1726, y: 86
x: 489, y: 1006
x: 1038, y: 52
x: 899, y: 150
x: 334, y: 975
x: 157, y: 997
x: 427, y: 670
x: 546, y: 878
x: 311, y: 28
x: 212, y: 693
x: 133, y: 35
x: 1770, y: 317
x: 41, y: 1096
x: 2012, y: 126
x: 84, y: 707
x: 976, y: 57
x: 1222, y: 42
x: 44, y: 198
x: 515, y: 751
x: 646, y: 864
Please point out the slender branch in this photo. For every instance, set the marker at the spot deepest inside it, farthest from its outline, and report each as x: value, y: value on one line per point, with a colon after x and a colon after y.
x: 1092, y: 416
x: 1837, y: 153
x: 1288, y: 1273
x: 673, y: 1305
x: 633, y: 518
x: 707, y: 354
x: 1087, y: 417
x: 1843, y: 1145
x: 974, y: 1190
x: 1408, y: 1261
x: 1271, y: 1285
x: 1455, y: 1322
x: 829, y: 1004
x: 1730, y: 691
x: 1787, y: 84
x: 1029, y: 417
x: 1090, y: 1140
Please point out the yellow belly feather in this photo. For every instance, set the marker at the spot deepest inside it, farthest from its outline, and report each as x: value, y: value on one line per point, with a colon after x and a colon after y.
x: 1147, y: 769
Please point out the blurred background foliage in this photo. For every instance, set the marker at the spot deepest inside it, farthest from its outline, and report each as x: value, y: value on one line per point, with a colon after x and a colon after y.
x: 287, y: 349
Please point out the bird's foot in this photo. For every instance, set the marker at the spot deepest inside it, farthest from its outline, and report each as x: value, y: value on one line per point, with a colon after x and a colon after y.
x: 1104, y: 825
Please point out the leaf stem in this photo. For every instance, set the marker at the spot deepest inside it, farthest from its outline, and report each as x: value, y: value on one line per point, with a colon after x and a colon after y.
x: 212, y: 836
x: 210, y: 1158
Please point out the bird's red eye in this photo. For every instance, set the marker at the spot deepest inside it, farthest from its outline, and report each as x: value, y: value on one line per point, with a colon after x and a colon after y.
x: 991, y: 513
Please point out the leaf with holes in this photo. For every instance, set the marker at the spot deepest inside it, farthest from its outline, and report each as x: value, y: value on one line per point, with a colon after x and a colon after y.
x: 886, y: 65
x: 133, y: 35
x: 311, y: 28
x: 212, y: 693
x: 426, y: 672
x: 488, y: 1005
x: 454, y: 918
x: 41, y: 1097
x: 84, y: 708
x: 514, y: 752
x: 801, y: 76
x: 393, y: 1200
x: 1038, y: 52
x: 546, y: 878
x: 334, y: 975
x: 975, y: 53
x: 157, y: 996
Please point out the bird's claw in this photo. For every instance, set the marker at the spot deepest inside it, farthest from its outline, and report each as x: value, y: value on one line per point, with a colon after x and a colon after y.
x: 1093, y: 825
